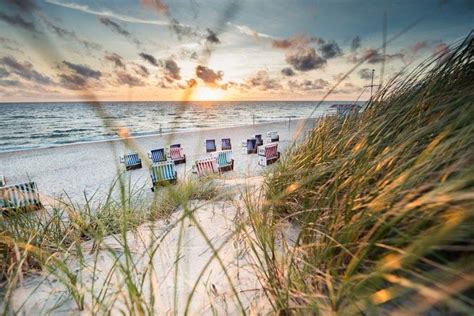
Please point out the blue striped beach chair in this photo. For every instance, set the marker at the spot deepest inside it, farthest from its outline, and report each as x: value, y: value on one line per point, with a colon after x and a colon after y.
x: 206, y: 167
x: 162, y: 173
x: 224, y: 160
x: 131, y: 161
x: 157, y: 155
x: 210, y: 145
x: 226, y: 144
x: 24, y: 197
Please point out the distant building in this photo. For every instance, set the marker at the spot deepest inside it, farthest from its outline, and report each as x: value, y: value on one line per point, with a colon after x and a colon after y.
x: 346, y: 109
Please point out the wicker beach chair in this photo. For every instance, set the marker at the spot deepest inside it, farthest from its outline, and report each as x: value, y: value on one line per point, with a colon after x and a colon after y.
x: 206, y: 167
x: 273, y: 136
x: 176, y: 155
x: 226, y: 144
x: 157, y: 155
x: 210, y: 145
x: 268, y: 154
x: 3, y: 182
x: 131, y: 161
x: 251, y: 146
x: 259, y: 139
x: 224, y: 160
x: 21, y: 197
x: 163, y: 173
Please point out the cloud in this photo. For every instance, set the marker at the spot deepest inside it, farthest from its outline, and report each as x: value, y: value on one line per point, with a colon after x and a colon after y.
x: 72, y: 81
x: 355, y: 43
x: 287, y: 71
x: 261, y: 80
x: 244, y: 29
x: 308, y: 85
x: 4, y: 73
x: 24, y: 5
x: 141, y: 71
x: 365, y: 74
x: 9, y: 44
x: 373, y: 56
x: 182, y: 30
x: 117, y: 28
x: 10, y: 83
x: 156, y: 5
x: 25, y: 70
x: 212, y: 37
x: 208, y: 75
x: 149, y: 58
x: 330, y: 50
x: 125, y: 78
x: 171, y: 70
x: 442, y: 52
x: 18, y: 21
x: 83, y: 70
x: 115, y: 59
x: 305, y: 59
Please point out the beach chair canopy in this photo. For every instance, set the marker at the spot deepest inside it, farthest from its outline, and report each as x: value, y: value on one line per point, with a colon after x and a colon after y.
x: 131, y: 159
x: 163, y: 171
x: 175, y: 146
x: 206, y: 166
x: 210, y: 145
x: 259, y: 140
x: 251, y: 144
x: 19, y: 196
x: 226, y: 144
x: 176, y: 153
x: 157, y: 155
x: 273, y: 136
x: 224, y: 158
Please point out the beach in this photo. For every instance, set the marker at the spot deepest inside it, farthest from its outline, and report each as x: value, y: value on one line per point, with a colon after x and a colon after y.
x: 90, y: 168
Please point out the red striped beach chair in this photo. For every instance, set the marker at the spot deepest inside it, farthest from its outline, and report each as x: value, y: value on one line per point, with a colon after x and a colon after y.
x: 206, y: 167
x: 176, y: 155
x: 19, y: 197
x: 268, y: 154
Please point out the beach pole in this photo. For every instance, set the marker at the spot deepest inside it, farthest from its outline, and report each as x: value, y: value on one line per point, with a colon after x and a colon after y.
x: 289, y: 122
x: 160, y: 128
x: 253, y: 119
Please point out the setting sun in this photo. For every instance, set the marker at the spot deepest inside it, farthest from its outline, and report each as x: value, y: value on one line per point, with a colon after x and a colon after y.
x: 208, y: 94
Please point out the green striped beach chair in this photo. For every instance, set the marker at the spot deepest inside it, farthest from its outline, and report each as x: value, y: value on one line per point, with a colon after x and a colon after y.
x: 131, y: 161
x: 162, y: 173
x: 224, y: 160
x: 19, y: 197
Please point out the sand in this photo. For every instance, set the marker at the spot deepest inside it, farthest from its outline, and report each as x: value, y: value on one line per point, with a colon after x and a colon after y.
x: 90, y: 168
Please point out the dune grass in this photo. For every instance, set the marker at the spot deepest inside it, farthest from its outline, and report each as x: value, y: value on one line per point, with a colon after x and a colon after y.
x: 383, y: 201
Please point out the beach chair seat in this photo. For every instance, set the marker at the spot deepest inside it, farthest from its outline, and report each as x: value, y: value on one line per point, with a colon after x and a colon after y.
x: 206, y: 167
x: 224, y: 160
x: 210, y: 145
x: 162, y: 173
x: 176, y: 155
x: 23, y: 197
x: 250, y: 146
x: 131, y: 161
x: 226, y: 144
x: 3, y: 182
x: 259, y: 139
x: 268, y: 154
x: 157, y: 155
x: 273, y: 136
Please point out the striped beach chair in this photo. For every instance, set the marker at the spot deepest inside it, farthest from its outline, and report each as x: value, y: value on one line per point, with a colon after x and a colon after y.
x: 226, y: 144
x: 206, y: 167
x: 176, y: 155
x: 273, y: 136
x: 259, y: 139
x: 268, y: 154
x: 210, y: 145
x: 131, y: 161
x: 162, y: 173
x: 224, y: 160
x: 24, y: 197
x: 157, y: 155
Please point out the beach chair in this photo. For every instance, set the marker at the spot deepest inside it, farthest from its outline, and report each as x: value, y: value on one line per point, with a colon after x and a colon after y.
x: 131, y: 161
x: 176, y: 155
x: 162, y: 173
x: 24, y: 197
x: 157, y: 155
x: 224, y: 160
x: 3, y: 182
x: 226, y: 144
x: 175, y: 146
x: 210, y: 145
x: 259, y: 139
x: 206, y: 167
x: 250, y: 146
x: 273, y: 136
x: 268, y: 154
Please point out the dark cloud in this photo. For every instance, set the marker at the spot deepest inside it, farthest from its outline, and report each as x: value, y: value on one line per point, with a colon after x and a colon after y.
x: 298, y: 41
x: 141, y: 71
x: 18, y: 21
x: 308, y: 85
x: 182, y: 31
x: 72, y: 81
x: 171, y: 70
x: 156, y: 5
x: 83, y: 70
x: 191, y: 83
x: 340, y: 76
x: 373, y: 56
x: 9, y: 44
x: 10, y: 83
x: 262, y: 81
x: 70, y: 35
x: 4, y: 73
x: 25, y: 70
x: 117, y: 28
x: 305, y: 59
x: 365, y: 74
x: 330, y: 50
x: 288, y: 71
x: 115, y: 59
x: 212, y: 37
x: 208, y: 75
x: 355, y: 44
x: 127, y: 79
x: 23, y: 5
x: 187, y: 53
x: 419, y: 46
x: 149, y: 58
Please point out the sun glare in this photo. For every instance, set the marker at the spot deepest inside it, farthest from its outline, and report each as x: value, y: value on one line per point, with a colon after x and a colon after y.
x: 208, y: 94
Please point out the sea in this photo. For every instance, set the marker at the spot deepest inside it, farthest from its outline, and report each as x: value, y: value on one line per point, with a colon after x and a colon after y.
x: 39, y: 125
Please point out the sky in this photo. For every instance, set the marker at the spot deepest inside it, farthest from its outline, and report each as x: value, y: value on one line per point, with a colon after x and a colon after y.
x: 153, y: 50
